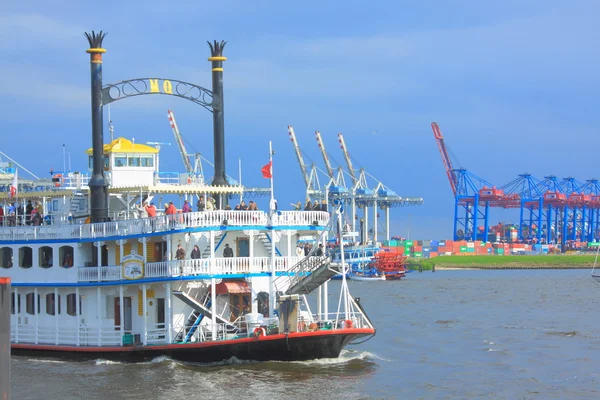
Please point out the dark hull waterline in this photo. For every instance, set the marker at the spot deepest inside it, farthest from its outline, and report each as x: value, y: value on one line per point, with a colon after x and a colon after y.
x: 298, y: 346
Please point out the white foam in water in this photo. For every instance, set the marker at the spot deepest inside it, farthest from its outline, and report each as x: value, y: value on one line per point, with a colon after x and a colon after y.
x: 345, y: 357
x: 38, y: 360
x: 108, y: 362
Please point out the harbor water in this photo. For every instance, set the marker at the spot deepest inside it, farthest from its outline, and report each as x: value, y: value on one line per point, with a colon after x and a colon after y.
x: 517, y: 334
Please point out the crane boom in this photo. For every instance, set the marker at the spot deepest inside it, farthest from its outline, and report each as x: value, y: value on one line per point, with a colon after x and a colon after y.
x: 437, y: 133
x: 299, y: 155
x: 347, y: 157
x: 325, y: 157
x: 179, y: 140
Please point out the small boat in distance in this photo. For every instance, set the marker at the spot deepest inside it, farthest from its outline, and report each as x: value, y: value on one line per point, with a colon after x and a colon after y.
x: 596, y: 274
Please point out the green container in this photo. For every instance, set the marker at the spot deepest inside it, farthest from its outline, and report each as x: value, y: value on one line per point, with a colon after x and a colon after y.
x: 418, y: 255
x: 594, y: 244
x: 386, y: 243
x: 401, y: 243
x: 483, y: 244
x: 127, y: 339
x: 470, y: 249
x: 393, y: 243
x: 499, y: 251
x: 409, y: 243
x: 463, y: 249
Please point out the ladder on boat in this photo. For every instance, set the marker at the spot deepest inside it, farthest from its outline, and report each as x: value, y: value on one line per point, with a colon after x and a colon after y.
x: 200, y: 310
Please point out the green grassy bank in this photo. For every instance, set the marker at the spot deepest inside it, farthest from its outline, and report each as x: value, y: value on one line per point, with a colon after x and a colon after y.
x: 513, y: 262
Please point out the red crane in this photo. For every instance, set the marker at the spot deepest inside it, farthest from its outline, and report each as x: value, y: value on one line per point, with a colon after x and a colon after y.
x: 445, y: 157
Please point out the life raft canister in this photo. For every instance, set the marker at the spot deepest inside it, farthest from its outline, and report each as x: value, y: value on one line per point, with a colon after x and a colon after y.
x: 258, y: 332
x: 57, y: 179
x: 348, y: 324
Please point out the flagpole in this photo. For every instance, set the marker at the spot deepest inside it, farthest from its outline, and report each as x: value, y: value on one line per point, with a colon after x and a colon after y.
x: 272, y: 290
x: 271, y: 203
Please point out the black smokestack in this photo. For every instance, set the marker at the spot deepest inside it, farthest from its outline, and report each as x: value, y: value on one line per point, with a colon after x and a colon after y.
x: 98, y: 189
x: 216, y: 50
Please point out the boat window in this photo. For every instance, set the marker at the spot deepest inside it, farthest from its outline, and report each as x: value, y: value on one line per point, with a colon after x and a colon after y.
x: 120, y: 161
x: 12, y: 309
x: 30, y: 304
x: 46, y: 257
x: 50, y: 305
x: 91, y: 162
x: 65, y: 255
x: 6, y: 255
x: 147, y: 161
x: 71, y: 304
x: 106, y: 162
x: 134, y: 161
x: 25, y: 257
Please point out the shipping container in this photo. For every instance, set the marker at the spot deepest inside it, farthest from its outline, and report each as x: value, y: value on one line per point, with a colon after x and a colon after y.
x: 418, y: 254
x: 426, y: 243
x: 434, y: 248
x: 470, y: 249
x: 409, y: 243
x: 499, y: 251
x: 463, y: 249
x: 443, y: 243
x: 393, y: 243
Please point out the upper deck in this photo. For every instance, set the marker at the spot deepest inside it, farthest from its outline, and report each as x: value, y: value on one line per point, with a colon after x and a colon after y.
x: 210, y: 220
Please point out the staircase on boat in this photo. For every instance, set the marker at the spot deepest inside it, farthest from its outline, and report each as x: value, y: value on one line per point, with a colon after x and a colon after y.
x: 199, y: 299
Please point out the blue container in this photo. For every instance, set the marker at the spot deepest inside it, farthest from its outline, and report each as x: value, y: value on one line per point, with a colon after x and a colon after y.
x: 434, y: 243
x: 442, y: 243
x: 434, y: 248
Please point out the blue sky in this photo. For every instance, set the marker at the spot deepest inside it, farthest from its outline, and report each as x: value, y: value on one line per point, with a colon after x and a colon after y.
x: 513, y: 84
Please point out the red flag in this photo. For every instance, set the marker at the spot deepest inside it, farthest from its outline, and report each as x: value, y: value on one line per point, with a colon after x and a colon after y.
x: 267, y: 170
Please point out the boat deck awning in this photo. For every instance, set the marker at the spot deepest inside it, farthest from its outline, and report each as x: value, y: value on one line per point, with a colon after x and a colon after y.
x: 233, y: 287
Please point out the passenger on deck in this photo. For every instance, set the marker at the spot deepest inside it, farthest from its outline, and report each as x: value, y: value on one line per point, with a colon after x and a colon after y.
x: 28, y: 212
x: 200, y: 204
x: 227, y: 251
x: 150, y: 209
x: 243, y: 206
x: 316, y: 206
x: 186, y: 207
x: 297, y: 206
x: 195, y: 253
x: 308, y: 206
x: 67, y: 261
x: 324, y: 206
x: 320, y: 250
x: 180, y: 253
x: 252, y: 206
x: 299, y: 251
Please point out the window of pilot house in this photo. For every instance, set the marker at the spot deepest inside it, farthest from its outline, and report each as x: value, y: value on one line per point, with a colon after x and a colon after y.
x: 133, y: 161
x: 45, y: 256
x: 65, y: 256
x: 25, y: 257
x: 12, y: 304
x: 71, y: 304
x: 6, y: 257
x: 147, y: 161
x: 30, y: 303
x: 50, y: 304
x: 120, y: 161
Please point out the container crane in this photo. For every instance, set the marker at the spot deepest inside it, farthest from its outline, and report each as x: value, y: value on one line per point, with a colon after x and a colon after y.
x: 437, y: 133
x: 347, y: 157
x: 186, y: 161
x: 325, y: 157
x: 313, y: 188
x: 469, y: 192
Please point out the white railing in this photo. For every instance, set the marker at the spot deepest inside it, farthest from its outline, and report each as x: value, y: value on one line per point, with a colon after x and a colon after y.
x: 302, y: 218
x: 200, y: 266
x: 162, y: 223
x: 221, y: 265
x: 99, y: 274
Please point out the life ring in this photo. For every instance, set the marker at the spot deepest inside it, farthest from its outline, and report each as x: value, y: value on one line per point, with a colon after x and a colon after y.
x: 57, y: 179
x: 258, y: 332
x: 348, y: 324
